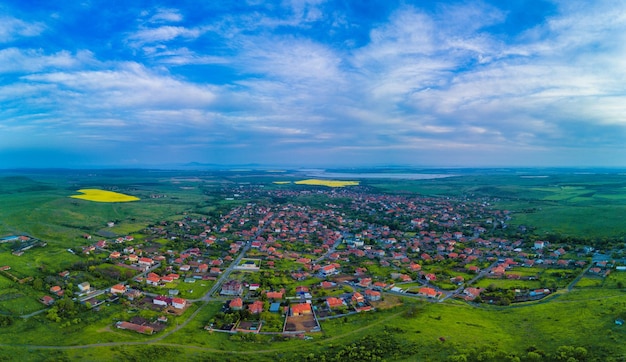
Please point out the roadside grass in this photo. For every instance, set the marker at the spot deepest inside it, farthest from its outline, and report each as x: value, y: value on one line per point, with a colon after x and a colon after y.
x: 189, y: 290
x: 19, y: 301
x: 526, y: 271
x: 38, y: 259
x: 508, y: 283
x: 617, y: 279
x: 589, y: 282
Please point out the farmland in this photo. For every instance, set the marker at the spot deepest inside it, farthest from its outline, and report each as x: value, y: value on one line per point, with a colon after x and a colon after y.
x: 103, y: 196
x: 192, y: 229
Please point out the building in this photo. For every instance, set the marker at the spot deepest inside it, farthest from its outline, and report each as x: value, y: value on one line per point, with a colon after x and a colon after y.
x: 236, y: 304
x: 232, y: 287
x: 118, y: 289
x: 179, y: 303
x: 84, y: 287
x: 300, y: 309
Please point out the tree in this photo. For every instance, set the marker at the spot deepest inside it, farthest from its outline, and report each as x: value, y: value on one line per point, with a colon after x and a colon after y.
x: 38, y: 284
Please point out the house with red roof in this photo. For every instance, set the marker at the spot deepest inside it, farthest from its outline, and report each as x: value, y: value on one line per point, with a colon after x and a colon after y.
x: 47, y: 300
x: 179, y: 303
x: 161, y: 300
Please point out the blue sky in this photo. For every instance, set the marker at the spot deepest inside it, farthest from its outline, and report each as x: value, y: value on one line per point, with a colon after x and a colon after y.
x: 312, y: 83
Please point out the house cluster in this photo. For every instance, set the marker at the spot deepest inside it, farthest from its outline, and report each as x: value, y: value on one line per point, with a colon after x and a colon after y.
x: 376, y: 241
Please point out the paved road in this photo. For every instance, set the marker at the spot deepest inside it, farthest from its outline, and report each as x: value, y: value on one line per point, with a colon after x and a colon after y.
x: 480, y: 275
x: 218, y: 283
x: 330, y: 251
x: 224, y: 277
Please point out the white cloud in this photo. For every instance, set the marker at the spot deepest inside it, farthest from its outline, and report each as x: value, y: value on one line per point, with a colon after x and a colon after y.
x: 12, y: 28
x: 166, y: 16
x: 13, y: 60
x: 162, y: 34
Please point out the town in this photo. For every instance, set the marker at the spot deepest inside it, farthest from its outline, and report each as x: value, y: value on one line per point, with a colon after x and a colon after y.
x: 291, y: 258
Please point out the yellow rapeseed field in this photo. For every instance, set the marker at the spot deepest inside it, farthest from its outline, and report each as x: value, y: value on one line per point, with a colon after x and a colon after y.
x: 281, y: 182
x: 329, y: 183
x: 103, y: 196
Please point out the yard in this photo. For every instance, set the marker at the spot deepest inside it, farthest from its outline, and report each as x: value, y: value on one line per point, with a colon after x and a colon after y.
x: 304, y: 323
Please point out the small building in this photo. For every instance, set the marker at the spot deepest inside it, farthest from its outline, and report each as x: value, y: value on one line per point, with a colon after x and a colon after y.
x: 47, y: 300
x: 301, y: 309
x: 232, y: 287
x: 161, y: 300
x: 179, y: 303
x: 256, y: 307
x: 236, y: 304
x: 118, y: 289
x: 333, y: 302
x: 275, y: 307
x: 372, y: 295
x: 84, y: 287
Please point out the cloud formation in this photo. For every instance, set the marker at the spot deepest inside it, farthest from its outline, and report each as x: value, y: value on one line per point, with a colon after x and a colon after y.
x: 315, y: 83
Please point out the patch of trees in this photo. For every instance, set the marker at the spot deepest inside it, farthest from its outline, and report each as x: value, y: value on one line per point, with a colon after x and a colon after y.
x: 63, y: 308
x: 562, y: 353
x: 497, y: 296
x: 5, y: 321
x: 385, y: 346
x: 113, y: 273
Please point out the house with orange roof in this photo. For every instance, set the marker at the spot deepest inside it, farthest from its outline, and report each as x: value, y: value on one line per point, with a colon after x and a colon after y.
x: 146, y: 261
x: 429, y: 292
x: 301, y: 309
x: 372, y: 295
x: 334, y: 302
x: 357, y: 298
x: 118, y: 289
x: 256, y: 307
x: 152, y: 280
x: 365, y: 282
x: 236, y: 304
x: 274, y: 295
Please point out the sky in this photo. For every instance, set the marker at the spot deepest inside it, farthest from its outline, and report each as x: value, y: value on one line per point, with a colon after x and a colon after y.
x: 312, y: 83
